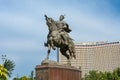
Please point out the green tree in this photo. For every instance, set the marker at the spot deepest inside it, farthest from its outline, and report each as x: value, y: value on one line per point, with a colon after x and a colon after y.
x: 16, y: 78
x: 109, y: 76
x: 102, y: 76
x: 8, y: 64
x: 3, y: 73
x: 25, y: 78
x: 32, y: 75
x: 116, y: 74
x: 95, y: 75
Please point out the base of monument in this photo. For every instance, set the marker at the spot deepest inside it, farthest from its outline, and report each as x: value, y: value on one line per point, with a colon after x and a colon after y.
x: 51, y: 70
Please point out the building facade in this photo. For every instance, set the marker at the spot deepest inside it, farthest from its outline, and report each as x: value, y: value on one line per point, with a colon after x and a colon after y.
x: 101, y: 56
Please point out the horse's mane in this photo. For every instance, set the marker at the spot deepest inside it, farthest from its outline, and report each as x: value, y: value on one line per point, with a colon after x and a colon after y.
x: 52, y: 25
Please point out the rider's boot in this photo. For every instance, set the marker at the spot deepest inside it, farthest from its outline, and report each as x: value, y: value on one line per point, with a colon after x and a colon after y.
x: 53, y: 47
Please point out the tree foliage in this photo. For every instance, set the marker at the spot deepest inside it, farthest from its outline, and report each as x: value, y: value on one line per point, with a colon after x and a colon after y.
x: 31, y: 77
x: 8, y: 64
x: 3, y: 73
x: 97, y: 75
x: 23, y: 78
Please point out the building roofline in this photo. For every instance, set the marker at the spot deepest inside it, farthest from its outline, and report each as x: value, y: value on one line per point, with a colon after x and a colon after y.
x: 96, y: 43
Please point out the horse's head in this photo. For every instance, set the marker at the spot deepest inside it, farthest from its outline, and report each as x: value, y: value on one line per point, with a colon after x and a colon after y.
x: 50, y: 23
x: 48, y: 19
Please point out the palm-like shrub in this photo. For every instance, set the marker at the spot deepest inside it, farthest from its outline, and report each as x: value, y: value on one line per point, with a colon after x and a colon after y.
x: 9, y: 65
x: 3, y: 73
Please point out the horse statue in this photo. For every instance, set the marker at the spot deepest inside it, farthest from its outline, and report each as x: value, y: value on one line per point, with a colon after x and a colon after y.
x: 54, y: 40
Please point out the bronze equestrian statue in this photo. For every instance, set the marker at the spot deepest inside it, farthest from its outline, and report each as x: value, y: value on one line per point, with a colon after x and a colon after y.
x: 58, y: 37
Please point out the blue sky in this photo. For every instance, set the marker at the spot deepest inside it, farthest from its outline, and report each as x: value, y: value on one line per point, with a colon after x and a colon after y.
x: 23, y: 28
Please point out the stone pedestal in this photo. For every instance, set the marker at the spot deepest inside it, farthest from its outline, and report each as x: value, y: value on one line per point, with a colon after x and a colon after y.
x: 53, y: 71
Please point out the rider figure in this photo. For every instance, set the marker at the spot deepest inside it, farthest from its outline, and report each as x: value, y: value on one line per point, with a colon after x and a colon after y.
x: 63, y: 28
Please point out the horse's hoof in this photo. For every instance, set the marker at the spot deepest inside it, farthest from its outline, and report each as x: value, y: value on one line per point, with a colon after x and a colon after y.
x: 47, y: 58
x: 45, y: 44
x: 54, y: 48
x: 69, y: 63
x: 74, y: 56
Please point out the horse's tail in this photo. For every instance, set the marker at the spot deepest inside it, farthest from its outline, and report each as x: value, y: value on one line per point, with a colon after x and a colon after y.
x: 73, y: 53
x: 72, y: 48
x: 71, y: 39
